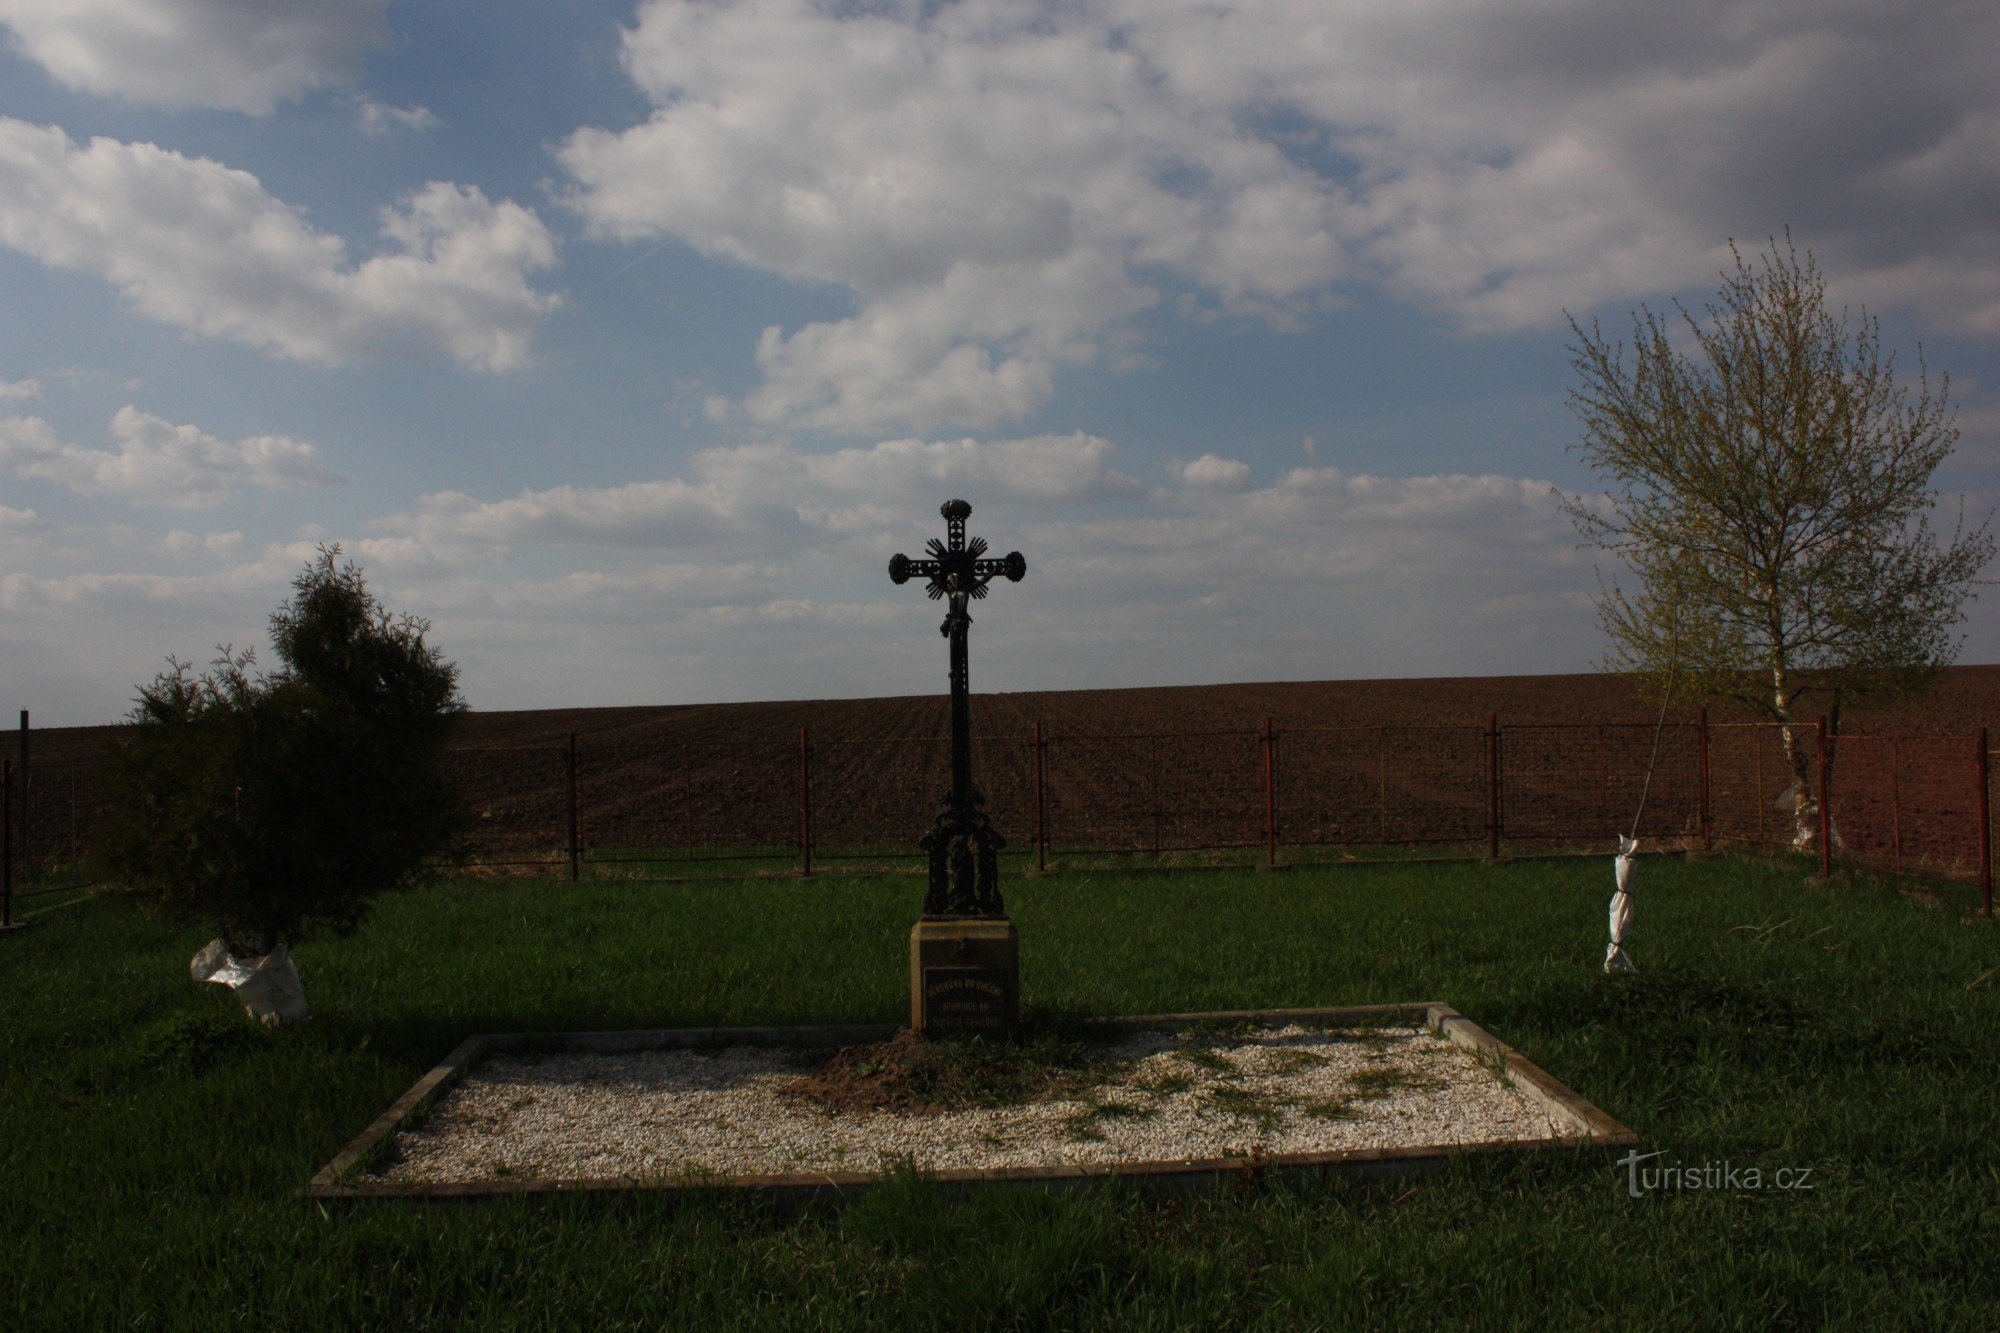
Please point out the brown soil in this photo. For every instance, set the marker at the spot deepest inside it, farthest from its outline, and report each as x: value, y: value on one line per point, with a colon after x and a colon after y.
x: 1965, y: 698
x: 910, y: 1074
x: 875, y: 1077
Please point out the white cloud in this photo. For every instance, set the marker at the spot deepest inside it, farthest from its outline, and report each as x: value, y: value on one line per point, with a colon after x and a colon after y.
x: 1218, y: 474
x: 993, y: 195
x: 774, y: 493
x: 178, y: 542
x: 1003, y: 186
x: 234, y: 55
x: 773, y: 565
x: 378, y: 118
x: 655, y: 514
x: 196, y: 244
x: 157, y: 462
x: 621, y: 595
x: 27, y: 390
x: 760, y: 574
x: 181, y: 613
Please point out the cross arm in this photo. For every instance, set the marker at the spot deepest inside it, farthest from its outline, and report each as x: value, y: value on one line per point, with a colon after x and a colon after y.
x: 902, y: 569
x: 1014, y: 567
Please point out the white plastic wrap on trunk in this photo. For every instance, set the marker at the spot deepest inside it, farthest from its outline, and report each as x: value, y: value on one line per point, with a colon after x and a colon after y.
x: 1621, y: 908
x: 269, y: 987
x: 1806, y: 828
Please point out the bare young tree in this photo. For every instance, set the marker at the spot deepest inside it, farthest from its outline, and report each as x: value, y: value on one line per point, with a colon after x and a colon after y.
x: 1770, y: 494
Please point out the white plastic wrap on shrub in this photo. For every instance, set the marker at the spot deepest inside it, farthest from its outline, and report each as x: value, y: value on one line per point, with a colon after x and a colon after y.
x: 269, y: 987
x: 1621, y: 908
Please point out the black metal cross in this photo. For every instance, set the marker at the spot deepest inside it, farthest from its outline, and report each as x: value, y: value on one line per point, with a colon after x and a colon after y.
x: 964, y: 849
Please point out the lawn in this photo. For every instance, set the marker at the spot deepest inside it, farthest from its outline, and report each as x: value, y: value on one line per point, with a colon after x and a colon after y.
x: 154, y: 1146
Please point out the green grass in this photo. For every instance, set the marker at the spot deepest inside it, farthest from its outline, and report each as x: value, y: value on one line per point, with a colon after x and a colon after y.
x: 154, y: 1145
x: 653, y: 863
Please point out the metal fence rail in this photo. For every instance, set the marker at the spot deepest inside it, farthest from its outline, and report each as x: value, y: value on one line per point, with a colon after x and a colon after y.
x: 664, y: 806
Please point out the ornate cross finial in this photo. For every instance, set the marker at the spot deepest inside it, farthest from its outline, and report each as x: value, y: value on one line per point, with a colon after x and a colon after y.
x: 956, y: 557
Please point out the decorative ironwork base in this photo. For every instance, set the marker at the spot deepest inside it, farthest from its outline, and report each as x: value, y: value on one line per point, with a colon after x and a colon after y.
x: 964, y: 862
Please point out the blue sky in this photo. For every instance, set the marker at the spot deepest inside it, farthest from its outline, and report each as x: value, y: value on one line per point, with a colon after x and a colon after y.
x: 627, y: 341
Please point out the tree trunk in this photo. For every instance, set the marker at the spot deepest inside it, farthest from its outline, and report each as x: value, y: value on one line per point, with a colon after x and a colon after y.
x: 1805, y: 804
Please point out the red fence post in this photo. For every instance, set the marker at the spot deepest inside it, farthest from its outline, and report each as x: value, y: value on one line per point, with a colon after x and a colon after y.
x: 687, y: 802
x: 1825, y: 807
x: 1270, y: 792
x: 7, y: 845
x: 805, y: 804
x: 1757, y: 753
x: 1896, y: 801
x: 1493, y: 786
x: 1041, y: 803
x: 1382, y: 787
x: 1701, y: 739
x: 1985, y: 826
x: 24, y: 781
x: 1153, y: 786
x: 575, y: 842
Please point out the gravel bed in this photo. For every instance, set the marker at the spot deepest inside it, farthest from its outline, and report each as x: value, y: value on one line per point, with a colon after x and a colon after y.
x: 1166, y: 1097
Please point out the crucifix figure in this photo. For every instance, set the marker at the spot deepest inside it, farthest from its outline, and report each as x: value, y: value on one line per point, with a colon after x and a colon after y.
x: 963, y: 848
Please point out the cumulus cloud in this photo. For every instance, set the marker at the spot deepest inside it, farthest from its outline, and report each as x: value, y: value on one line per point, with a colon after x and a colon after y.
x: 199, y: 245
x: 125, y: 620
x: 777, y: 493
x: 993, y: 196
x: 1004, y: 186
x: 763, y: 566
x: 178, y: 542
x: 233, y: 55
x: 27, y: 390
x: 765, y: 558
x: 1218, y: 474
x: 156, y: 462
x: 378, y: 118
x: 1323, y: 535
x: 627, y: 595
x: 647, y: 513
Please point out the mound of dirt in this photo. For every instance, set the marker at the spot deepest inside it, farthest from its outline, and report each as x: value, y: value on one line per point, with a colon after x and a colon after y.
x: 910, y: 1074
x: 875, y: 1077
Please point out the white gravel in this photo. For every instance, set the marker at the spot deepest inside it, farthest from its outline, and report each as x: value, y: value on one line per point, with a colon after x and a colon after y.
x: 717, y: 1112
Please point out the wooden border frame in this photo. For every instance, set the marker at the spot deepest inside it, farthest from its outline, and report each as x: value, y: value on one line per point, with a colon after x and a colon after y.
x: 1587, y: 1127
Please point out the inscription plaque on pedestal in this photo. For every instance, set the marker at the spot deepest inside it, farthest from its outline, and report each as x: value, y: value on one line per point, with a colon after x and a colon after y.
x: 972, y: 999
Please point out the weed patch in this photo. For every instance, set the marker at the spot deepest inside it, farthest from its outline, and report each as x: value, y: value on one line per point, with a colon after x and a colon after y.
x: 1381, y: 1080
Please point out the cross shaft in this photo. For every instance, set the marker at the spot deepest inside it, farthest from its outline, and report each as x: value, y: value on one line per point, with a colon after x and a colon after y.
x: 964, y: 879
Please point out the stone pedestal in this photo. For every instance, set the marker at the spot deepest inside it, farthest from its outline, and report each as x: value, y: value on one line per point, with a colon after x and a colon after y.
x: 965, y: 976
